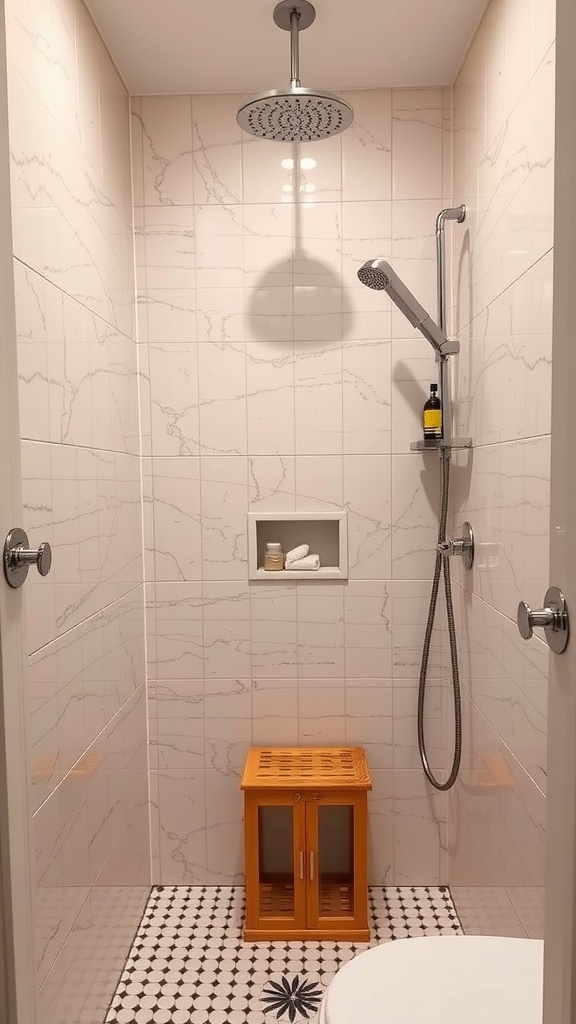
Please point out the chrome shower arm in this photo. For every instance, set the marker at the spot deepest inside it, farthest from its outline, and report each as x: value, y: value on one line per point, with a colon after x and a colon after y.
x: 294, y: 48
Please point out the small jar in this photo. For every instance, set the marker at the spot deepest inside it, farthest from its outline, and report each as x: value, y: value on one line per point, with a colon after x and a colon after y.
x: 273, y: 558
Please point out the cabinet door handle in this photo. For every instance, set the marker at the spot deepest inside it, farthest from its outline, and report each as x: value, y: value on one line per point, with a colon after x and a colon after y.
x: 301, y: 865
x: 311, y: 865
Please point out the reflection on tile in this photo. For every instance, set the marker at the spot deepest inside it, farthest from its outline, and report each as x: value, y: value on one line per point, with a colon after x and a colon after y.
x: 78, y: 683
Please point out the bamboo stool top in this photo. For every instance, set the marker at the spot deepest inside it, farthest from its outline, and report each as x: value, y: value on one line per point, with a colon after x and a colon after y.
x: 306, y: 768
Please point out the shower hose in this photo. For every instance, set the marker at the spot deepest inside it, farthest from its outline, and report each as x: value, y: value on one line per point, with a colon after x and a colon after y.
x: 442, y: 567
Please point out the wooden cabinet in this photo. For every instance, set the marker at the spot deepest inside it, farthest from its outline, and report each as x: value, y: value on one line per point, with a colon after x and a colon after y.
x: 306, y: 843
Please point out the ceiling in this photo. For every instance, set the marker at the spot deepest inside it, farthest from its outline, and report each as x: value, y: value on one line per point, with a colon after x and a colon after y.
x: 181, y: 46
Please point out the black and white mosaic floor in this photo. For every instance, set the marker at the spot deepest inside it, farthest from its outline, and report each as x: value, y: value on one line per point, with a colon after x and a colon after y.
x: 188, y: 964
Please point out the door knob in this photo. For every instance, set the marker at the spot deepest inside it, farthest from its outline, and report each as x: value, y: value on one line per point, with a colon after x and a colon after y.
x: 553, y: 617
x: 18, y: 557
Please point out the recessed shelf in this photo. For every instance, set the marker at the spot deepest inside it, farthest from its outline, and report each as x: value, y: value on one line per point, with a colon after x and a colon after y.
x: 325, y: 572
x: 324, y: 532
x: 436, y: 444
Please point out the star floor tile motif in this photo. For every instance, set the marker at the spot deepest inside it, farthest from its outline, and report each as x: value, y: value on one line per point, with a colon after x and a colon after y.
x: 189, y: 965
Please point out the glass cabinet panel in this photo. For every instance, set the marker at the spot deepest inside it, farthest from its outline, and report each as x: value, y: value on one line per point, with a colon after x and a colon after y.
x: 276, y: 861
x: 335, y: 860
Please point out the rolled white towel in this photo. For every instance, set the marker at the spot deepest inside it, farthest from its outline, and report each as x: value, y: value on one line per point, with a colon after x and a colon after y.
x: 296, y: 553
x: 309, y: 563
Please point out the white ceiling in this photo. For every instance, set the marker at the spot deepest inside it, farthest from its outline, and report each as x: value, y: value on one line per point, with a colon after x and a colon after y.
x: 181, y: 46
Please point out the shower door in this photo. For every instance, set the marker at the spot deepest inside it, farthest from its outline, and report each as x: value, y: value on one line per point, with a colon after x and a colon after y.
x: 17, y: 977
x: 560, y: 933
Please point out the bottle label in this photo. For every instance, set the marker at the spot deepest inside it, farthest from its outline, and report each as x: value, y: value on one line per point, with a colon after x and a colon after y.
x: 432, y: 419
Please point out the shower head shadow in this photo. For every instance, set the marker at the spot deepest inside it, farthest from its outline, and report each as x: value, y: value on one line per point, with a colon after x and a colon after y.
x: 378, y: 274
x: 295, y: 113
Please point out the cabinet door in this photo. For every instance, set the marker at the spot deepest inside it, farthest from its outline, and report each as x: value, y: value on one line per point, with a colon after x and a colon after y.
x: 336, y: 862
x: 275, y: 862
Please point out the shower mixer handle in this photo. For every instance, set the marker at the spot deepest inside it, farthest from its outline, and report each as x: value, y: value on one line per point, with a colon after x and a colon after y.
x: 552, y: 618
x: 463, y: 546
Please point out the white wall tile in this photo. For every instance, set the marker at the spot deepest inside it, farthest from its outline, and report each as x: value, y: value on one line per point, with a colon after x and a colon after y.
x: 174, y: 631
x: 217, y: 149
x: 367, y: 147
x: 177, y: 517
x: 179, y: 796
x: 270, y: 398
x: 419, y: 830
x: 170, y: 398
x: 318, y: 398
x: 165, y: 123
x: 271, y: 483
x: 417, y: 144
x: 275, y: 712
x: 415, y: 504
x: 222, y: 398
x: 321, y: 710
x: 367, y: 487
x: 367, y: 398
x: 226, y: 610
x: 224, y: 507
x: 219, y: 246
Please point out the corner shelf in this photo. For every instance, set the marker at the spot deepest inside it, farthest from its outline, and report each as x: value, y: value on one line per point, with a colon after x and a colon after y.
x: 435, y: 445
x: 325, y: 532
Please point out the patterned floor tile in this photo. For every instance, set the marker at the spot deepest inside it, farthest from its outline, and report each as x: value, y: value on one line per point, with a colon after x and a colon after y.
x: 189, y: 965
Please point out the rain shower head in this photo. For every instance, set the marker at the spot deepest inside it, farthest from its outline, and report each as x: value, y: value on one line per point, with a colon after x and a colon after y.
x: 378, y: 274
x: 293, y: 113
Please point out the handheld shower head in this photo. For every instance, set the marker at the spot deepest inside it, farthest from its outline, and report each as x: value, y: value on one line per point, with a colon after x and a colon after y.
x: 378, y: 274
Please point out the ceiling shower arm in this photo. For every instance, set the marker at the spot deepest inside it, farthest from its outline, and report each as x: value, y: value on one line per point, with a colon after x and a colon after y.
x: 294, y: 48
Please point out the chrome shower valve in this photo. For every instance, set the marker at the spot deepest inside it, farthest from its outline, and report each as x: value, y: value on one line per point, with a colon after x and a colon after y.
x: 463, y: 546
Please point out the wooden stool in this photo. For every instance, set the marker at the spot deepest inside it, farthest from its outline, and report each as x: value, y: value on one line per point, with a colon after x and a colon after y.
x: 305, y: 828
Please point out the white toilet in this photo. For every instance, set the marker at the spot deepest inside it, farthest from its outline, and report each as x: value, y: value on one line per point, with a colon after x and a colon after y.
x: 460, y: 979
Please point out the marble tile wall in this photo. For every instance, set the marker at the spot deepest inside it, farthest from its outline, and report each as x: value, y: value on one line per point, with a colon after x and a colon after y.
x: 272, y: 380
x: 77, y: 362
x: 502, y: 277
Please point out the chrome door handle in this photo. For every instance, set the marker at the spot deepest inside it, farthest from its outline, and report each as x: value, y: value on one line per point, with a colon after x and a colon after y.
x: 18, y: 557
x: 553, y: 617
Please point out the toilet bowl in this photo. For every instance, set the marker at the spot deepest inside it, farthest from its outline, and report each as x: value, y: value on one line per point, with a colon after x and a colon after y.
x: 440, y: 980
